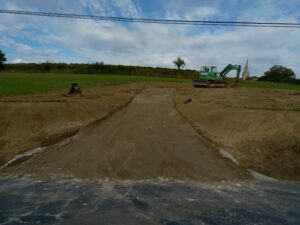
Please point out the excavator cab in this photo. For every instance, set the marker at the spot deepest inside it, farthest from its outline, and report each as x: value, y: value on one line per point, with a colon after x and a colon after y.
x: 208, y: 69
x: 214, y: 69
x: 208, y: 73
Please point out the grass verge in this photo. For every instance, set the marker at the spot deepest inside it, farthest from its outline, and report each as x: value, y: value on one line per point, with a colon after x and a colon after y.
x: 12, y: 84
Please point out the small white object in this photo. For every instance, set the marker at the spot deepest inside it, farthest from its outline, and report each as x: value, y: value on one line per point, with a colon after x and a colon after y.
x: 228, y: 156
x: 260, y: 176
x: 26, y: 154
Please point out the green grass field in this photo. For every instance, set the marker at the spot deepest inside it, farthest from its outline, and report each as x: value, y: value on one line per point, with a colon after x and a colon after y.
x: 269, y: 85
x: 12, y: 84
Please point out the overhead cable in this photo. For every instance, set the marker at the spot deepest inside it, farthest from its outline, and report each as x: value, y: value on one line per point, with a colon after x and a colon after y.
x: 154, y: 20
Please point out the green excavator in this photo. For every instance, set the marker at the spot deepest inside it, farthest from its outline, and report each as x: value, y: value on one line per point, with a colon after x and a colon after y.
x: 209, y: 76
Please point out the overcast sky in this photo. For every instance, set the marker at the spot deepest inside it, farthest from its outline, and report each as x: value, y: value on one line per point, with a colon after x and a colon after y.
x: 40, y: 39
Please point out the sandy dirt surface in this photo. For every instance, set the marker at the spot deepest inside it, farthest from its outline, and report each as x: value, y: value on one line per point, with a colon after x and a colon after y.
x: 38, y: 120
x: 146, y: 140
x: 261, y: 128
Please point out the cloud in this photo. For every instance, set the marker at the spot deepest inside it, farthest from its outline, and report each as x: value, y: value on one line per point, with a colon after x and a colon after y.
x: 18, y: 61
x: 127, y: 8
x: 41, y: 39
x: 196, y: 13
x: 203, y: 12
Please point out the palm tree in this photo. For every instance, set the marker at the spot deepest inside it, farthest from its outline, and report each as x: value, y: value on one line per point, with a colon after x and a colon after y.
x: 179, y: 63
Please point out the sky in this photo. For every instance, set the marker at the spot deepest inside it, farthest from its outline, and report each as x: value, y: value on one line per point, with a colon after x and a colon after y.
x: 40, y: 39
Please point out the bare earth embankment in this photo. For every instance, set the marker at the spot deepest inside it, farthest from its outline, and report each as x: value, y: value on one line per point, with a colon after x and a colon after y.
x: 261, y: 128
x: 146, y: 140
x: 149, y: 138
x: 32, y: 121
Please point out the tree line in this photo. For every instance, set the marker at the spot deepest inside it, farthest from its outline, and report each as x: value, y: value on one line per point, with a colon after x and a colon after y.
x: 276, y: 73
x: 99, y: 68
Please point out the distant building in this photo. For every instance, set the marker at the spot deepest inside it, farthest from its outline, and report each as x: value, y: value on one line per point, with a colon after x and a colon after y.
x: 246, y: 73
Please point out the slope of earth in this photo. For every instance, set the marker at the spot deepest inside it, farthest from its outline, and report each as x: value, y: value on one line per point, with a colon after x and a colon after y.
x: 261, y: 128
x: 146, y: 140
x: 31, y: 121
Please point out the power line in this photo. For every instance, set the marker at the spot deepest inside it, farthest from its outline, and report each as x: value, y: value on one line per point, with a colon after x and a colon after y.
x: 154, y: 21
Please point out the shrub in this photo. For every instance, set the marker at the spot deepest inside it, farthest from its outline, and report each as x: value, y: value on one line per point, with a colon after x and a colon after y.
x: 279, y: 74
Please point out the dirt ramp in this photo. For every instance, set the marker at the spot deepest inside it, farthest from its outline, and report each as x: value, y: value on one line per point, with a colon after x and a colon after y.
x: 146, y: 140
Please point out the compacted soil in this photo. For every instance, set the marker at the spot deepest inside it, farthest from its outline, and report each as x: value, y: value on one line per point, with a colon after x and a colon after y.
x: 146, y: 140
x: 150, y: 130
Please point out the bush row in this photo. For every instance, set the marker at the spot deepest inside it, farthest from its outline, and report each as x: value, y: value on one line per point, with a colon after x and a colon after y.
x: 99, y: 68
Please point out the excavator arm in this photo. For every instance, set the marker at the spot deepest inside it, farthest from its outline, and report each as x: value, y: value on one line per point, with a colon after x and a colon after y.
x: 227, y: 69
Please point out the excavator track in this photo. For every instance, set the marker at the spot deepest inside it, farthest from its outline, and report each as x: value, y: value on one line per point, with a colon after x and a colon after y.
x: 209, y: 84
